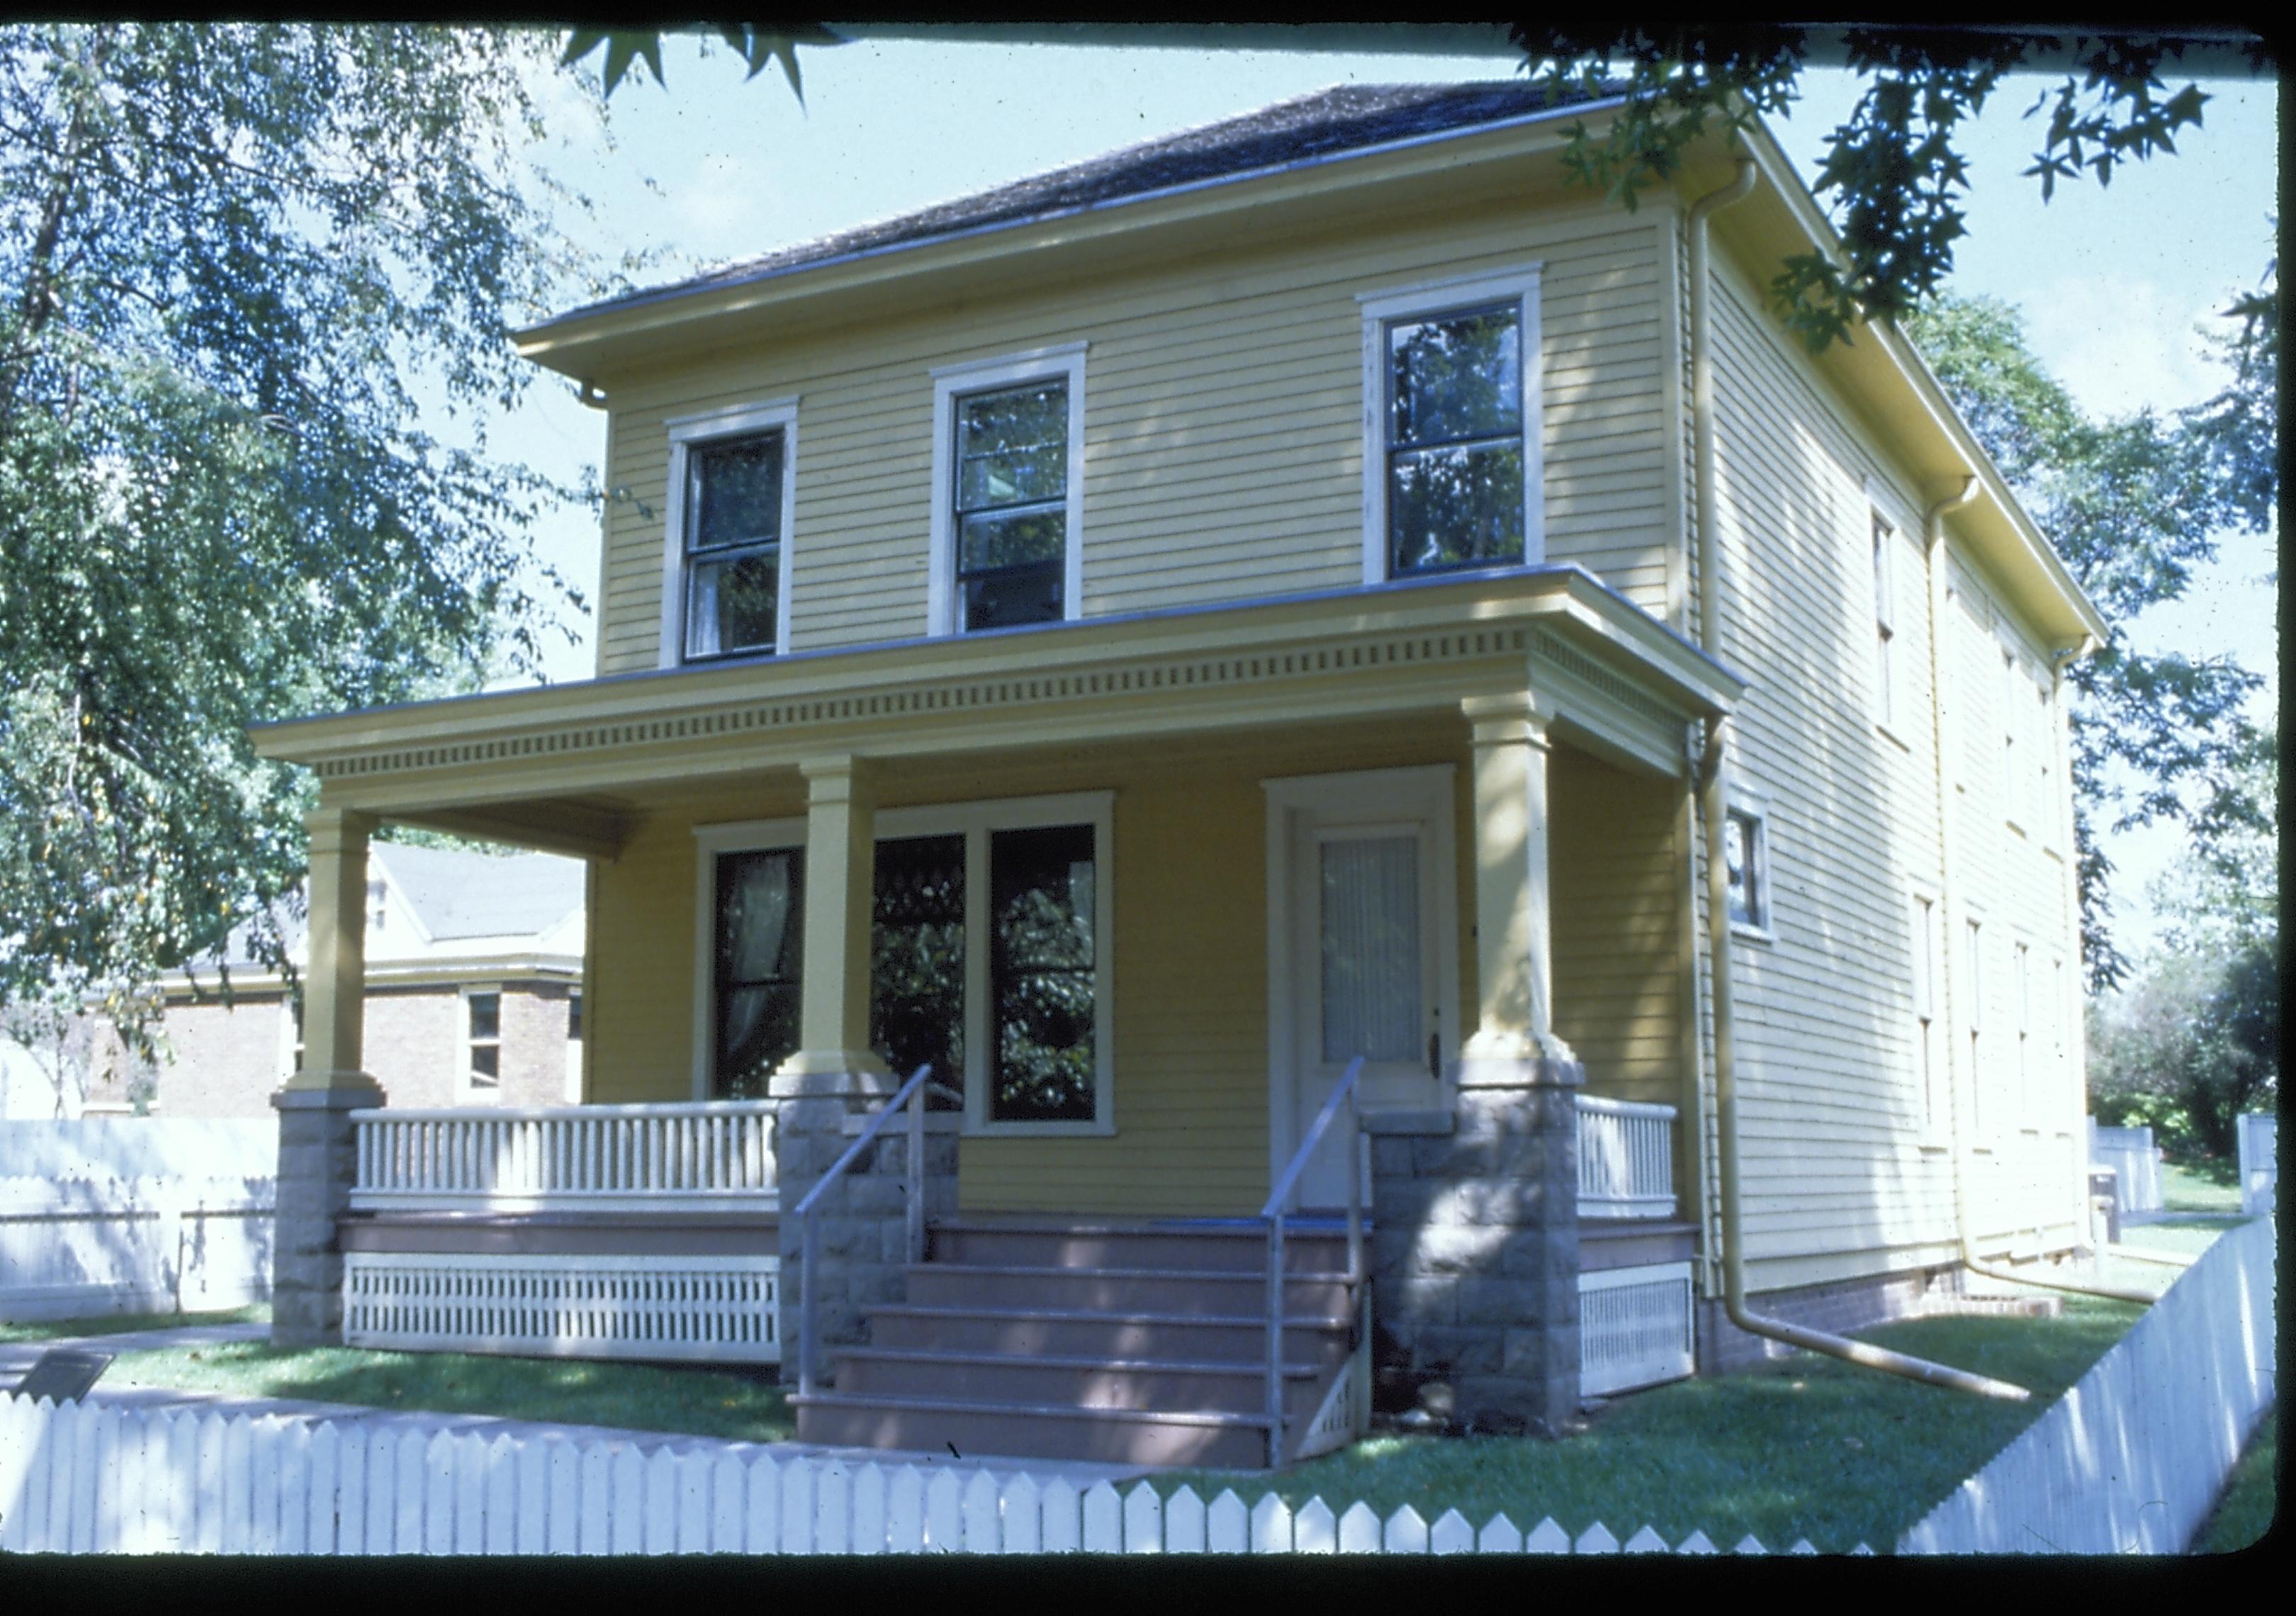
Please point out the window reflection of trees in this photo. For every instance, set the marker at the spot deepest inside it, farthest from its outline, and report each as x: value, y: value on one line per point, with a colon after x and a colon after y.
x: 1454, y: 439
x: 1042, y: 967
x: 916, y: 968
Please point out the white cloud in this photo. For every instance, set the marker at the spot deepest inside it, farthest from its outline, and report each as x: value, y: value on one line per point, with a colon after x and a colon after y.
x: 2119, y: 344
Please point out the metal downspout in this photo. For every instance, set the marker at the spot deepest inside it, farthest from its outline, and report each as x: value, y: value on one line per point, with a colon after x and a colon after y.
x: 1933, y: 552
x: 1713, y: 788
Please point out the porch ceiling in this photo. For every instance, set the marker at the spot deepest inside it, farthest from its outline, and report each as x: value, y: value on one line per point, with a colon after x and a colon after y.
x: 566, y: 766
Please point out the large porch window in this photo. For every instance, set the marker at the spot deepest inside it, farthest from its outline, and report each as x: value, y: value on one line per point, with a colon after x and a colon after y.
x: 989, y: 955
x: 760, y: 932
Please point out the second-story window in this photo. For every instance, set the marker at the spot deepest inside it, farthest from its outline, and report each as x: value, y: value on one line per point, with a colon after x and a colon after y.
x: 1008, y: 492
x: 1010, y: 504
x: 1451, y: 414
x: 1885, y: 625
x: 726, y: 573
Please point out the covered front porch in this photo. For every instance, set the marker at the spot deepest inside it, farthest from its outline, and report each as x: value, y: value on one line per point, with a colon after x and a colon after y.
x: 1137, y: 890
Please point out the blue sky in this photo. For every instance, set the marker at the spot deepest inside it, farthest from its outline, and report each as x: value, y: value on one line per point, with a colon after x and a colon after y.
x: 2113, y: 283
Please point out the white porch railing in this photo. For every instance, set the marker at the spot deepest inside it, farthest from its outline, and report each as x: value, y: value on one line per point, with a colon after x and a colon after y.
x: 712, y: 1156
x: 1626, y: 1159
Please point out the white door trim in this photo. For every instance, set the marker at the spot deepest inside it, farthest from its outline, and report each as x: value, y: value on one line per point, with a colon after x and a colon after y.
x: 1374, y: 797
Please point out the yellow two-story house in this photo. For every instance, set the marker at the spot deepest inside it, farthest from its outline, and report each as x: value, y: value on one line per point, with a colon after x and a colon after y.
x: 1308, y: 665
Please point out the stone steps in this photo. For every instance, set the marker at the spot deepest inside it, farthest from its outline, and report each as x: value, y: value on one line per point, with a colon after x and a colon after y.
x: 1138, y: 1343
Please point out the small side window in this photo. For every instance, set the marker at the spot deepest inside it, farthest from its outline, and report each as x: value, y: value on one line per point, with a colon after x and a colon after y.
x: 482, y: 1044
x: 1745, y: 850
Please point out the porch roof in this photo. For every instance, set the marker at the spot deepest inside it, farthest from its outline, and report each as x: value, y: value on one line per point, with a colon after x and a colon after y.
x: 550, y: 767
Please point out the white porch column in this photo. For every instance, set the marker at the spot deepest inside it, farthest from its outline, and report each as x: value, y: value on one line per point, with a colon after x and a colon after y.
x: 840, y: 864
x: 1514, y: 936
x: 334, y: 978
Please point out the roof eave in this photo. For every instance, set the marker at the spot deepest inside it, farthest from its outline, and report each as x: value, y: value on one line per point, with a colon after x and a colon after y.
x: 558, y: 343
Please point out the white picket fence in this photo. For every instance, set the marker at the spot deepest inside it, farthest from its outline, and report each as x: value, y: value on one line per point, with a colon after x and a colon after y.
x: 2135, y: 1455
x: 100, y: 1479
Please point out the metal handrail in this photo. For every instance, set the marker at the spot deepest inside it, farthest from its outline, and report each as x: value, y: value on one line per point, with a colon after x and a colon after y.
x: 912, y: 1094
x: 1274, y: 1214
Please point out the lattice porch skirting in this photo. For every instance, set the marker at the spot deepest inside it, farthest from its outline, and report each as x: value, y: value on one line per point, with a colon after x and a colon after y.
x: 719, y: 1309
x: 1635, y: 1327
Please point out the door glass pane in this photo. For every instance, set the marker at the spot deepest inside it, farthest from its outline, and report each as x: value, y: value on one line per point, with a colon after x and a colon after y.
x: 760, y: 931
x: 1371, y: 990
x: 916, y: 972
x: 1041, y: 966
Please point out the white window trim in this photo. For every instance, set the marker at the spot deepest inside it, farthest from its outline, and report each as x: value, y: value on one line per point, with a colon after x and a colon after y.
x: 2025, y: 958
x: 2014, y: 728
x: 974, y: 821
x: 1969, y: 1025
x: 954, y: 382
x: 1890, y: 694
x: 1754, y: 804
x: 1520, y: 283
x: 712, y: 426
x: 1939, y: 1032
x: 465, y: 1091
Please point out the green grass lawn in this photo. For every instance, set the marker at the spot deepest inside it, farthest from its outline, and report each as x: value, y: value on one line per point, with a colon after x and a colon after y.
x: 1808, y: 1447
x: 2206, y: 1183
x: 2244, y: 1513
x: 116, y: 1324
x: 711, y: 1402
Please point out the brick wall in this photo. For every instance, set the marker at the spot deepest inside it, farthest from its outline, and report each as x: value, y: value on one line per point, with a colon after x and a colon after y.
x: 228, y: 1061
x: 1837, y: 1309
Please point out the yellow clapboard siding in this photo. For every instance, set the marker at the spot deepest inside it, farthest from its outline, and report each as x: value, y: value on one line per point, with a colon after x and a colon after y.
x: 1830, y: 1107
x: 1227, y: 391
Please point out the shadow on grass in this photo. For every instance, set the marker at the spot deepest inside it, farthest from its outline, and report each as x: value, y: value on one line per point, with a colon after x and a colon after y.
x: 121, y: 1324
x: 1807, y: 1447
x: 735, y: 1405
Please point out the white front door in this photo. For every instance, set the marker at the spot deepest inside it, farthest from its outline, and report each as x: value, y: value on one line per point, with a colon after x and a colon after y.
x: 1365, y: 913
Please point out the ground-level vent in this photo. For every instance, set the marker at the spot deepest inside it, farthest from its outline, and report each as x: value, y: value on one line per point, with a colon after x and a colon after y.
x: 718, y: 1308
x: 1635, y: 1328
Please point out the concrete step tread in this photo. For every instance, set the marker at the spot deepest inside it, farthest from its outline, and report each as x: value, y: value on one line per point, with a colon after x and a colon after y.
x: 1155, y: 1366
x: 1054, y: 1411
x: 1096, y: 1271
x: 1292, y: 1321
x: 1296, y: 1226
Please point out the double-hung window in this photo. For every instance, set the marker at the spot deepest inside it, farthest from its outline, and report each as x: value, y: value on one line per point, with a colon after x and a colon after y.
x: 728, y: 558
x: 482, y: 1044
x: 1885, y: 624
x: 1451, y: 439
x: 1008, y: 492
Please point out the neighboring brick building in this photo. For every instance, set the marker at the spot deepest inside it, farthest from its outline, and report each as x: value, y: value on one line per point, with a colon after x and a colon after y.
x: 474, y: 980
